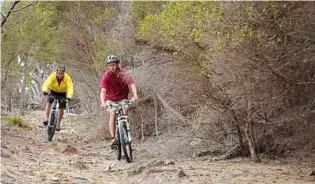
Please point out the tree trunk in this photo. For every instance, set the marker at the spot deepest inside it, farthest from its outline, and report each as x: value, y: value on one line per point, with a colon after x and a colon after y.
x: 22, y: 95
x: 156, y: 116
x: 142, y: 127
x: 251, y: 143
x: 22, y: 86
x: 9, y: 98
x: 238, y: 123
x: 240, y: 139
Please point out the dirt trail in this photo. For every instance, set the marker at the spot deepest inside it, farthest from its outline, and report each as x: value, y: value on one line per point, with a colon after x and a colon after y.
x: 73, y: 157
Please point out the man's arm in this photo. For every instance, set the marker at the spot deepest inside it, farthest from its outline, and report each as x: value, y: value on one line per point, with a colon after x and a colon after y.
x: 103, y: 86
x: 134, y: 92
x: 70, y: 89
x: 47, y: 83
x: 102, y: 96
x: 131, y: 84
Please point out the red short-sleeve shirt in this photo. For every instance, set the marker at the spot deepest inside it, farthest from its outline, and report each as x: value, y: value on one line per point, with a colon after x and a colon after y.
x: 116, y: 84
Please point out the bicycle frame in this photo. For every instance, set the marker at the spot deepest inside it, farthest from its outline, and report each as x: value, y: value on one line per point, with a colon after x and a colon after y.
x: 123, y: 135
x: 53, y: 117
x: 121, y: 118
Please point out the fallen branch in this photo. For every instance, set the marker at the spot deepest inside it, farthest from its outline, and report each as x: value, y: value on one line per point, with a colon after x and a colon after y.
x: 304, y: 83
x: 71, y: 114
x: 232, y: 153
x: 177, y: 114
x: 160, y: 171
x: 207, y: 152
x: 140, y: 101
x: 82, y: 178
x: 141, y: 168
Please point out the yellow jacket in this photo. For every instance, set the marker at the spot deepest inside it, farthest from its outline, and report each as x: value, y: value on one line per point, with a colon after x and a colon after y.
x: 66, y: 85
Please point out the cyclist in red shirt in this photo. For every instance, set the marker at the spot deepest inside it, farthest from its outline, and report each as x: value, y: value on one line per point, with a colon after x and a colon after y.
x: 115, y: 85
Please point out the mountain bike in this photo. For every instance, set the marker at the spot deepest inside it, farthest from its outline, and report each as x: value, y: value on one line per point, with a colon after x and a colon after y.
x: 123, y: 130
x: 53, y: 116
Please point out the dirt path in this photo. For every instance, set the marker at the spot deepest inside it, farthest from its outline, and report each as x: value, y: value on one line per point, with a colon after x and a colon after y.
x: 72, y: 157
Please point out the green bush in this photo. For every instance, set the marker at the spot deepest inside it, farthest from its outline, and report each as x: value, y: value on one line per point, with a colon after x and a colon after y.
x: 16, y: 121
x: 141, y: 9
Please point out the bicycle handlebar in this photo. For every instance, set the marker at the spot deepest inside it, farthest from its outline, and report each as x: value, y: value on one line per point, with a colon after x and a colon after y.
x: 117, y: 105
x: 57, y: 97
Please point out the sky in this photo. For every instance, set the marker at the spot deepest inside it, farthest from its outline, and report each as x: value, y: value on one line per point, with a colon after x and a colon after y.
x: 1, y: 1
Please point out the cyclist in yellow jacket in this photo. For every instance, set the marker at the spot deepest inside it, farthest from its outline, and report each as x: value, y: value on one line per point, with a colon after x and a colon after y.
x: 58, y: 84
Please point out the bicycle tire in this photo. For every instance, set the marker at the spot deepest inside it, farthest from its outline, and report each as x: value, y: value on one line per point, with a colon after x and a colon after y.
x: 124, y: 144
x: 51, y: 130
x: 118, y: 146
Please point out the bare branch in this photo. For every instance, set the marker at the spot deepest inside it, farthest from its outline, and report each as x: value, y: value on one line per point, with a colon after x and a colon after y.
x: 11, y: 10
x: 31, y: 4
x: 8, y: 14
x: 304, y: 83
x: 172, y: 110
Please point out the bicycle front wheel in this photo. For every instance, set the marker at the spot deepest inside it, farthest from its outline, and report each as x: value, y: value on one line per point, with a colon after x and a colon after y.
x: 124, y: 142
x: 51, y: 126
x: 118, y: 144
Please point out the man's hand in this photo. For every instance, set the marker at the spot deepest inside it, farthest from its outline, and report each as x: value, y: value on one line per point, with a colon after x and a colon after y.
x: 134, y: 98
x: 45, y: 93
x: 104, y: 105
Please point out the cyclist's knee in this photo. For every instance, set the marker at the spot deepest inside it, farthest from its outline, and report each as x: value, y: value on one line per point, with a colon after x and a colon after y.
x: 125, y: 111
x: 112, y: 114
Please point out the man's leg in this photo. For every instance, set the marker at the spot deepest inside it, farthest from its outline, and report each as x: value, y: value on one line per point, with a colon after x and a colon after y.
x: 125, y: 111
x: 112, y: 125
x: 61, y: 112
x: 47, y: 112
x: 62, y: 106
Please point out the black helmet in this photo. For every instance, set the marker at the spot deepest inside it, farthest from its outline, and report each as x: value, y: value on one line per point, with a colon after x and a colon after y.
x: 61, y: 68
x: 112, y: 59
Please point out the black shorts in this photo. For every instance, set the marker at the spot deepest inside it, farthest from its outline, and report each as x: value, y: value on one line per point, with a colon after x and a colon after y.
x: 62, y: 104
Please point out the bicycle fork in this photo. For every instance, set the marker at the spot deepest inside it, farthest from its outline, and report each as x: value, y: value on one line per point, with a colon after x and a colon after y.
x: 124, y: 120
x: 54, y: 112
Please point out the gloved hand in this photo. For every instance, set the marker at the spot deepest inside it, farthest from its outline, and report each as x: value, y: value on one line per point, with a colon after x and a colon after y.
x: 45, y: 93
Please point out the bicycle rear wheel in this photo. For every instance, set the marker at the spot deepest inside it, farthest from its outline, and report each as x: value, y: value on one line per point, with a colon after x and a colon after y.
x: 51, y: 126
x: 125, y: 143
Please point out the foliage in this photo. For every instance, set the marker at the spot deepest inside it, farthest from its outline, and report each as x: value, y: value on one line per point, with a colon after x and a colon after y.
x: 256, y: 56
x: 250, y: 52
x: 181, y: 23
x: 72, y: 33
x: 142, y: 9
x: 33, y: 32
x: 16, y: 121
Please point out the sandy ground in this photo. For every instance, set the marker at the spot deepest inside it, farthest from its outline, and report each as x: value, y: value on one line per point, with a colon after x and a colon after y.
x: 74, y: 157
